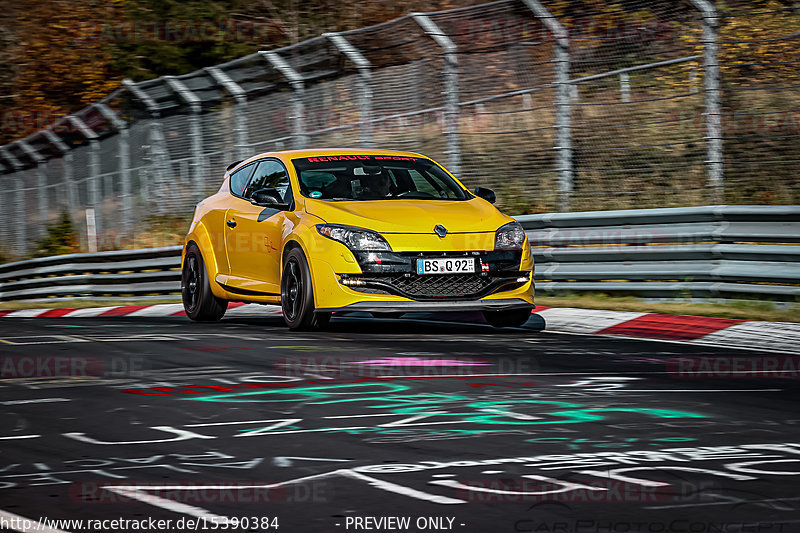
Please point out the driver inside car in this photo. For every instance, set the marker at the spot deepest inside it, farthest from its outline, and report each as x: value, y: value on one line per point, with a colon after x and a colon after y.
x: 377, y: 182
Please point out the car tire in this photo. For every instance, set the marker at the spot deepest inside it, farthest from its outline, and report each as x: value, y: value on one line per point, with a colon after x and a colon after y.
x: 199, y: 302
x: 513, y: 318
x: 297, y: 294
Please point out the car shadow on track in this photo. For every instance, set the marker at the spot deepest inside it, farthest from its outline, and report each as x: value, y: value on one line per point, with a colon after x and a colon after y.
x: 419, y: 323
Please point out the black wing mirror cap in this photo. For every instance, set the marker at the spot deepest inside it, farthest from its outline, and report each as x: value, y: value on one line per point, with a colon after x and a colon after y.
x: 486, y: 194
x: 268, y: 197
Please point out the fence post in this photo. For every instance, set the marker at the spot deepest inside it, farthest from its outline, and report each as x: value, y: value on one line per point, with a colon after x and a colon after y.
x: 6, y: 217
x: 66, y: 156
x: 563, y: 146
x: 364, y: 84
x: 239, y: 111
x: 716, y: 177
x: 156, y: 139
x: 452, y: 117
x: 625, y: 87
x: 94, y: 168
x: 298, y: 90
x: 20, y: 222
x: 41, y: 185
x: 123, y: 147
x: 195, y: 133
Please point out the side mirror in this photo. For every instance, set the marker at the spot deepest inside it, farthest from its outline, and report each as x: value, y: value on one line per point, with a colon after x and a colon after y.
x: 486, y: 194
x: 268, y: 197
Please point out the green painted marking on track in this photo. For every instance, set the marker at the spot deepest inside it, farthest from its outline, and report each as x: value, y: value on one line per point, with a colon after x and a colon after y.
x: 433, y: 404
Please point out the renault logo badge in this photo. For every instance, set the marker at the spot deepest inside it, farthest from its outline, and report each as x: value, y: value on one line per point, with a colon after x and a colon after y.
x: 440, y: 230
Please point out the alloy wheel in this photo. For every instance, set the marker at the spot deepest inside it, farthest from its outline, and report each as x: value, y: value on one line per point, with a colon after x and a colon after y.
x: 292, y: 290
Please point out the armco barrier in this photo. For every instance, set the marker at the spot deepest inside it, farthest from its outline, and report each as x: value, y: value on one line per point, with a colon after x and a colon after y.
x: 153, y: 271
x: 724, y: 251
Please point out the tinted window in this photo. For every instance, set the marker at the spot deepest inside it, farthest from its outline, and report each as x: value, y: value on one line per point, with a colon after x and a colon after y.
x: 270, y: 174
x: 375, y: 177
x: 240, y: 178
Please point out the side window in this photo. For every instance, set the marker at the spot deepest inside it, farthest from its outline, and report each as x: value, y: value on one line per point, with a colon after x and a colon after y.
x: 272, y: 174
x: 240, y: 178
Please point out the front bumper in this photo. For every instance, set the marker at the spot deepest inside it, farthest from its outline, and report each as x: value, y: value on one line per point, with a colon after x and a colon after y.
x: 395, y: 273
x: 428, y: 307
x: 386, y: 281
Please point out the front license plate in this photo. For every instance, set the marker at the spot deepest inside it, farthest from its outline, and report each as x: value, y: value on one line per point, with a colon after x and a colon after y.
x: 446, y: 265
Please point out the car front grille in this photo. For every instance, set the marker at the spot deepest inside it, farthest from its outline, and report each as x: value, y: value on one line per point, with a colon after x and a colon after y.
x: 436, y: 286
x: 441, y: 284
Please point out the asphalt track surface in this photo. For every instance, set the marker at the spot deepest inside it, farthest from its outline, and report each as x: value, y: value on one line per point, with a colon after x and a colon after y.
x: 453, y: 426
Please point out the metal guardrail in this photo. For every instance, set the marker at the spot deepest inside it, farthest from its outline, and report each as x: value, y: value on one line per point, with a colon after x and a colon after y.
x: 723, y: 251
x: 152, y: 271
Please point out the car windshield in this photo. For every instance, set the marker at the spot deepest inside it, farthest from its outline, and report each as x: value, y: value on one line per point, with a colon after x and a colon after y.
x: 375, y: 177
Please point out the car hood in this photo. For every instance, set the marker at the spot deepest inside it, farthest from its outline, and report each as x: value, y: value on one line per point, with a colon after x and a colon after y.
x: 411, y: 216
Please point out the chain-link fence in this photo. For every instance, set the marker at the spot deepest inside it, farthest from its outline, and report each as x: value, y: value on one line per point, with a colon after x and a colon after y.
x: 568, y: 105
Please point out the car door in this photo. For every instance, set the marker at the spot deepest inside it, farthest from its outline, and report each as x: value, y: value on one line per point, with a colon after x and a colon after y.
x: 255, y: 234
x: 215, y: 219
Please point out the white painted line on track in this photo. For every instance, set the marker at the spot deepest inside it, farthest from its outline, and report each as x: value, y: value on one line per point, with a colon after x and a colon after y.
x: 699, y: 342
x: 35, y: 400
x: 140, y: 493
x: 9, y: 519
x: 170, y: 505
x: 156, y: 310
x: 27, y: 313
x: 90, y: 311
x: 208, y: 424
x: 257, y: 309
x: 584, y: 320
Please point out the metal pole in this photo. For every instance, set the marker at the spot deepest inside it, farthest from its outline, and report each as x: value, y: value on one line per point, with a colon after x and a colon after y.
x: 5, y: 213
x: 41, y: 185
x: 124, y: 163
x: 364, y: 84
x: 94, y: 167
x: 716, y: 177
x: 452, y: 117
x: 239, y: 110
x: 19, y: 222
x: 69, y: 180
x: 298, y: 91
x: 160, y: 168
x: 69, y: 185
x: 625, y: 87
x: 563, y: 96
x: 195, y: 131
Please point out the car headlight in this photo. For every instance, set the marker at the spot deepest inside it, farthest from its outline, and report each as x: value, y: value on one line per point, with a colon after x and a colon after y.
x: 509, y: 237
x: 357, y: 239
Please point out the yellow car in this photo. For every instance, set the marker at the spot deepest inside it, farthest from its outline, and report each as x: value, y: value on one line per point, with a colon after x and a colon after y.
x: 381, y: 231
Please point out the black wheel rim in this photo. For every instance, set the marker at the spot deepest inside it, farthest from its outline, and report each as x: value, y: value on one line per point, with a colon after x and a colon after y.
x: 291, y: 290
x: 191, y: 285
